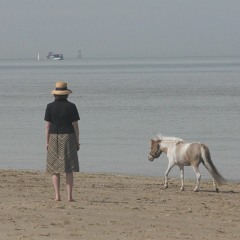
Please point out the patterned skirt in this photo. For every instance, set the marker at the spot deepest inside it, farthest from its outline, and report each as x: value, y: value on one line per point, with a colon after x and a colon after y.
x: 62, y: 154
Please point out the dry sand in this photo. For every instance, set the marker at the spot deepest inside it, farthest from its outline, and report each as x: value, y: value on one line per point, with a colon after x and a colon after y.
x: 113, y: 207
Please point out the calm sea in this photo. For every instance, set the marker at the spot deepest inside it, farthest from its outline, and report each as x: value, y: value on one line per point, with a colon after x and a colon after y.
x: 122, y: 104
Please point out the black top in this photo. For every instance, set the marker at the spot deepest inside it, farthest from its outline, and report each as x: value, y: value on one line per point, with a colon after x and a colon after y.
x: 61, y: 113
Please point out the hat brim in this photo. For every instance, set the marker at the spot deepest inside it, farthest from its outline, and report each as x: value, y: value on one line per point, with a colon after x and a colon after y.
x: 61, y: 92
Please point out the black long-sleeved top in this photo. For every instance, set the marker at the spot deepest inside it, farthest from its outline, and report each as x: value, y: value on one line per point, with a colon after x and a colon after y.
x: 61, y: 113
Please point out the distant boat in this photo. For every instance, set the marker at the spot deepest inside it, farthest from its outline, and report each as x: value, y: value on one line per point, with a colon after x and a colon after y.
x: 54, y: 56
x: 38, y: 57
x: 79, y: 54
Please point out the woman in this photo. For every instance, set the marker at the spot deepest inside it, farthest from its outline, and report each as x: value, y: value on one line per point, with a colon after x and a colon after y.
x: 62, y: 136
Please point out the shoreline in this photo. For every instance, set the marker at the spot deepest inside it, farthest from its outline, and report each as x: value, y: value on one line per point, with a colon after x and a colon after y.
x: 116, y: 206
x: 205, y: 177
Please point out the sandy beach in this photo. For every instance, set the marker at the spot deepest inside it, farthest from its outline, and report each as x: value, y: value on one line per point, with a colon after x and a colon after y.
x: 112, y: 207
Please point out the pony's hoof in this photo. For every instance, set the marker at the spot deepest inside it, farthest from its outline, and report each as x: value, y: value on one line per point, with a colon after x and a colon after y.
x: 217, y: 190
x: 196, y: 190
x: 182, y: 189
x: 165, y: 186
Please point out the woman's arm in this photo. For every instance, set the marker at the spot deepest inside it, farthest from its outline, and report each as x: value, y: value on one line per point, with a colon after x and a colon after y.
x: 77, y: 133
x: 47, y: 128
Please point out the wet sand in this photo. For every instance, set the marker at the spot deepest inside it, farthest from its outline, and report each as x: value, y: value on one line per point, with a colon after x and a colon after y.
x: 113, y: 207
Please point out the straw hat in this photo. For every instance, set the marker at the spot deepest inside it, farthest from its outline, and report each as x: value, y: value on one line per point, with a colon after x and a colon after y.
x: 61, y: 89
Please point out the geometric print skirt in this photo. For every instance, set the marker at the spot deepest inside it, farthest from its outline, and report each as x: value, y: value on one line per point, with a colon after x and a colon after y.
x: 62, y: 154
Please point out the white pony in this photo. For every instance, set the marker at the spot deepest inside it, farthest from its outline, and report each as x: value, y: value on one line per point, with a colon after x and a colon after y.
x: 185, y: 154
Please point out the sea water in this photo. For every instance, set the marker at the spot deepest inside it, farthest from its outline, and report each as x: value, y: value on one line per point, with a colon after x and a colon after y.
x: 123, y: 103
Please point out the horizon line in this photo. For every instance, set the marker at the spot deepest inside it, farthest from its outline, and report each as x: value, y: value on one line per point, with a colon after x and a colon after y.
x: 165, y: 57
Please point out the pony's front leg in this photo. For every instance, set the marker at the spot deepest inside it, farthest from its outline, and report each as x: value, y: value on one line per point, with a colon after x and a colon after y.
x: 182, y: 177
x: 170, y: 166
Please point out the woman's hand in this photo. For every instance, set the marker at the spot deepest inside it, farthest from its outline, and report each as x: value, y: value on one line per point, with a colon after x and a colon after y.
x: 76, y: 131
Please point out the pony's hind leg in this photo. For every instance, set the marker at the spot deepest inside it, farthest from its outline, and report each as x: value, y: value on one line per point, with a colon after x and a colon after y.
x: 215, y: 186
x: 198, y: 176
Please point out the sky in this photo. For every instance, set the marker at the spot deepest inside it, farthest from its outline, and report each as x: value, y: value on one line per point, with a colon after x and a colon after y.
x: 119, y: 28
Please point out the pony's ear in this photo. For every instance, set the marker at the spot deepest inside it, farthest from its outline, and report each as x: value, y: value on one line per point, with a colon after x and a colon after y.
x: 158, y: 141
x: 152, y: 141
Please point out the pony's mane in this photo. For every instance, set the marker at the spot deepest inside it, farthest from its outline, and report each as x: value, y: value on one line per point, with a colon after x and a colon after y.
x: 169, y: 139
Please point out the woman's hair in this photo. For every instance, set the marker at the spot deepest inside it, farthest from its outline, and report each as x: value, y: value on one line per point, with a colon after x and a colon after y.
x: 61, y: 96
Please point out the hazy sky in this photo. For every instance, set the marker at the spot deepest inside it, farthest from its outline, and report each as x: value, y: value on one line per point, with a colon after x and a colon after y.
x: 119, y: 28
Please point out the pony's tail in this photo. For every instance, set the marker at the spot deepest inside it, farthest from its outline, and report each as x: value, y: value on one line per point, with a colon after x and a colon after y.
x: 207, y: 162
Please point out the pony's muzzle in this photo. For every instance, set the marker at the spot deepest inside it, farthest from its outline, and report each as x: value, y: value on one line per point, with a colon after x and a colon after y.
x: 151, y: 158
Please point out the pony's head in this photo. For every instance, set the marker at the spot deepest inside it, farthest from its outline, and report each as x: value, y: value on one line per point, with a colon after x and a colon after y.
x: 155, y: 150
x: 162, y: 144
